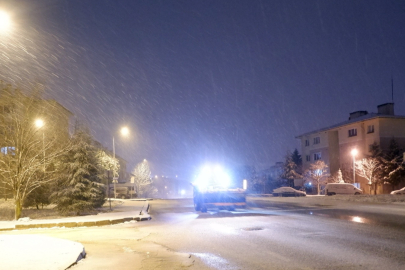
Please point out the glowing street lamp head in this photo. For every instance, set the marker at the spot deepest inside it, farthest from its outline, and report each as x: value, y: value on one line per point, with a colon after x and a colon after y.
x: 124, y: 131
x: 354, y: 152
x: 5, y: 21
x: 39, y: 123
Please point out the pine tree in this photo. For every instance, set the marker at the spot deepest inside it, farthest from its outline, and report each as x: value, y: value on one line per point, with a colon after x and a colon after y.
x: 80, y: 189
x: 296, y: 157
x: 393, y: 170
x: 39, y: 196
x: 375, y: 150
x: 290, y: 170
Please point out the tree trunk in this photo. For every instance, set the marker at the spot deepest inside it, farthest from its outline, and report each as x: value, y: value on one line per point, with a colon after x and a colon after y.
x: 18, y: 208
x: 318, y: 189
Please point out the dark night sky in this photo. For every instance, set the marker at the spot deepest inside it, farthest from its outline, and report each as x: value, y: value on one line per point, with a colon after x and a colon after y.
x: 222, y: 81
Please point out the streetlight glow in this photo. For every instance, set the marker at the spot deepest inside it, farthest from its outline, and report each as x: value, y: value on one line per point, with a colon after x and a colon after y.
x: 124, y: 131
x: 39, y: 123
x: 354, y: 152
x: 5, y: 21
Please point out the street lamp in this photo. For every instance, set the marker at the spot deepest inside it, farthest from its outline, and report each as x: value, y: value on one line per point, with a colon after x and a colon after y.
x: 39, y: 123
x: 5, y: 21
x: 354, y: 153
x: 124, y: 132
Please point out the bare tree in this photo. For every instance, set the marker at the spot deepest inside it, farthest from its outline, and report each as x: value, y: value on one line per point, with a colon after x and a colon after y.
x: 141, y: 177
x: 317, y: 173
x: 30, y: 150
x: 108, y: 163
x: 368, y: 168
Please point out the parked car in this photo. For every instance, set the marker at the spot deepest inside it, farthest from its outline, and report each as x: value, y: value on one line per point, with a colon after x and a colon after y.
x: 399, y: 191
x: 342, y: 189
x: 288, y: 191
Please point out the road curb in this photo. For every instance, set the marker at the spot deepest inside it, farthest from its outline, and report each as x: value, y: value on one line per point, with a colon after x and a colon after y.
x: 103, y: 222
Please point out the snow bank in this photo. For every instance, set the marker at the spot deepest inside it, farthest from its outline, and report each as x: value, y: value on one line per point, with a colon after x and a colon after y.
x: 38, y: 252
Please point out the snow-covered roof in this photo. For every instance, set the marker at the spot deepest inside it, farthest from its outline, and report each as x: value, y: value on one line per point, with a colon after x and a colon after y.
x: 351, y: 121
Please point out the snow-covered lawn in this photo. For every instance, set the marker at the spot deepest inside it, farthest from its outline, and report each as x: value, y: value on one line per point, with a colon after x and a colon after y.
x: 48, y: 212
x: 38, y: 252
x: 379, y: 199
x: 384, y: 198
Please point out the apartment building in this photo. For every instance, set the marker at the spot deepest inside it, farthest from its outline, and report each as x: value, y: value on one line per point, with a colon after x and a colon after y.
x: 334, y: 144
x: 273, y: 172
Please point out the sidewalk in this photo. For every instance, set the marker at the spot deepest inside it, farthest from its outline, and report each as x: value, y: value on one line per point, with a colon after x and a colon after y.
x: 22, y: 252
x: 26, y: 252
x: 130, y: 210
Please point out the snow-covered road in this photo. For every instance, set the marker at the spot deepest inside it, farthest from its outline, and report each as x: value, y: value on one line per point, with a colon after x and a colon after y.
x: 271, y: 234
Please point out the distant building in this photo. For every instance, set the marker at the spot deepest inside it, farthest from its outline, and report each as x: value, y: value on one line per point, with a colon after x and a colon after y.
x: 60, y: 120
x: 334, y: 144
x: 172, y: 187
x: 274, y: 172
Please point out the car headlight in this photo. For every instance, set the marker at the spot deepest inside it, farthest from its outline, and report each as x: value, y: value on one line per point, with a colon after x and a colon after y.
x: 212, y: 176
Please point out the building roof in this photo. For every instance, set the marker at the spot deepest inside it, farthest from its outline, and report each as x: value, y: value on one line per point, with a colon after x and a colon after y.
x: 55, y: 103
x: 349, y: 122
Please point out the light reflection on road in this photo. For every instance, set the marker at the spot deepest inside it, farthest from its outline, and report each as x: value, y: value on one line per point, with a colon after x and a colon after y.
x: 358, y: 219
x: 215, y: 261
x: 222, y: 229
x: 337, y: 214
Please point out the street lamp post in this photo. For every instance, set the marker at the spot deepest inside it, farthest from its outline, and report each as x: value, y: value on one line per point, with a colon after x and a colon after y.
x: 114, y: 180
x: 354, y: 154
x: 39, y: 123
x: 124, y: 131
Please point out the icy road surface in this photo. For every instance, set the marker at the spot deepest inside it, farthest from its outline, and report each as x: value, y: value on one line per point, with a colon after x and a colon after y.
x: 282, y: 233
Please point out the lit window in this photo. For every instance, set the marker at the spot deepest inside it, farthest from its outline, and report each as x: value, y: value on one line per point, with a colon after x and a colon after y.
x: 317, y: 156
x: 306, y: 142
x: 308, y: 158
x: 317, y: 140
x: 370, y: 129
x: 352, y: 132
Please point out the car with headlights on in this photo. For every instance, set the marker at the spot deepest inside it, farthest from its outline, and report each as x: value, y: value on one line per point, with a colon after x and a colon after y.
x: 288, y: 192
x: 399, y: 191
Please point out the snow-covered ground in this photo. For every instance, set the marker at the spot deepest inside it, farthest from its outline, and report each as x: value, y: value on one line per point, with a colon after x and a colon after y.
x: 383, y: 199
x: 29, y: 251
x: 48, y: 211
